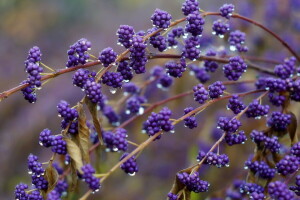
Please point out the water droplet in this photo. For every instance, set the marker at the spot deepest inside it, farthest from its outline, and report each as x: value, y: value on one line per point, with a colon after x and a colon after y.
x: 172, y: 131
x: 115, y: 149
x: 131, y: 174
x: 40, y: 143
x: 126, y: 81
x: 221, y: 36
x: 29, y: 172
x: 232, y: 48
x: 127, y: 112
x: 141, y: 111
x: 113, y: 90
x: 107, y: 150
x: 214, y: 32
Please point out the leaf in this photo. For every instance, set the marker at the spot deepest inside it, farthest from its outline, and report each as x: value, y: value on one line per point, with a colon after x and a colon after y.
x: 74, y: 177
x: 51, y: 176
x: 75, y: 153
x: 292, y: 128
x: 83, y: 134
x: 93, y: 110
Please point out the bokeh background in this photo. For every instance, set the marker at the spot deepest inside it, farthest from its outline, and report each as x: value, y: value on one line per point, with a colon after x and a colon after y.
x: 55, y: 25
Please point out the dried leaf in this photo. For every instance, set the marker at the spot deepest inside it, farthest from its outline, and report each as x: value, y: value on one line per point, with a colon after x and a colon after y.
x: 74, y: 177
x: 83, y: 134
x: 178, y: 186
x: 75, y: 153
x: 51, y: 176
x: 93, y: 110
x: 292, y: 128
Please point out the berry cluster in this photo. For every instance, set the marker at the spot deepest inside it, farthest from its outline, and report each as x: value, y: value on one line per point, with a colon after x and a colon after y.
x: 130, y: 166
x: 218, y: 160
x: 279, y: 121
x: 220, y: 28
x: 235, y: 104
x: 138, y: 55
x: 112, y: 79
x: 200, y: 93
x: 256, y: 110
x: 175, y: 69
x: 236, y: 41
x: 116, y: 141
x: 125, y: 34
x: 288, y: 165
x: 261, y: 168
x: 89, y: 178
x: 279, y: 190
x: 226, y: 10
x: 77, y: 54
x: 107, y: 56
x: 216, y: 89
x: 193, y: 182
x: 238, y: 138
x: 190, y: 122
x: 229, y: 125
x: 161, y: 19
x: 235, y: 68
x: 158, y: 121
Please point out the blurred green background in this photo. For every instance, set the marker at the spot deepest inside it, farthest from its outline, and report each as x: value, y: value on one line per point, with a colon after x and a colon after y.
x: 55, y: 25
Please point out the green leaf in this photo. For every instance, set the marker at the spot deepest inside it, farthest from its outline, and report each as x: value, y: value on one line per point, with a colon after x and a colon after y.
x: 75, y: 153
x: 83, y: 134
x: 93, y: 110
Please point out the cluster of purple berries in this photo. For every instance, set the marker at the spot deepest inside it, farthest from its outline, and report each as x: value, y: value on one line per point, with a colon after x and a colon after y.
x: 116, y: 141
x: 77, y: 54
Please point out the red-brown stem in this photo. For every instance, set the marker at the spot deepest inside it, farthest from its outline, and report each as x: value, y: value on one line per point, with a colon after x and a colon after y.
x: 9, y: 92
x: 262, y: 27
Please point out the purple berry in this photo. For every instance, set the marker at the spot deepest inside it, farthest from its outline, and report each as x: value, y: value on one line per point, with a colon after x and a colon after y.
x: 276, y: 100
x: 279, y: 121
x: 125, y: 34
x: 107, y: 56
x: 195, y: 23
x: 173, y: 34
x: 256, y: 110
x: 279, y: 191
x: 189, y: 6
x: 216, y: 89
x: 45, y: 138
x: 190, y: 122
x: 272, y: 144
x: 229, y: 125
x: 220, y: 28
x: 116, y: 141
x: 165, y: 81
x: 138, y: 56
x: 200, y: 93
x: 35, y: 195
x: 130, y: 166
x: 295, y: 150
x: 172, y: 196
x: 159, y: 42
x: 125, y: 70
x: 236, y: 40
x: 176, y: 69
x: 20, y: 192
x: 199, y: 72
x: 77, y: 54
x: 131, y: 88
x: 111, y: 115
x: 287, y: 69
x: 209, y: 65
x: 39, y: 182
x: 29, y: 93
x: 191, y: 48
x: 89, y: 178
x: 239, y: 138
x: 288, y: 165
x: 235, y: 68
x: 193, y: 182
x: 235, y: 104
x: 34, y: 166
x: 257, y: 136
x: 93, y: 91
x: 112, y: 79
x: 226, y: 10
x: 161, y: 19
x: 64, y: 110
x: 59, y: 145
x: 81, y: 76
x: 133, y: 105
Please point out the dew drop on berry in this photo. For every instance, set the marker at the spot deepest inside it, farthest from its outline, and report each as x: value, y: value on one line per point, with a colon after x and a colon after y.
x: 131, y: 174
